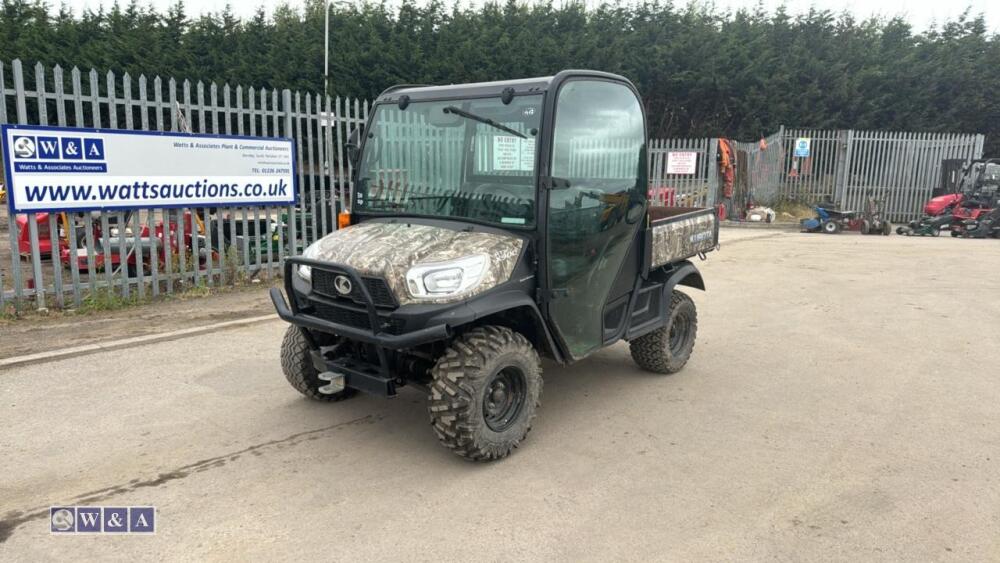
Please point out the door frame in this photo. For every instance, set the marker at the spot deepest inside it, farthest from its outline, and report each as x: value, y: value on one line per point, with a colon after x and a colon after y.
x: 544, y: 170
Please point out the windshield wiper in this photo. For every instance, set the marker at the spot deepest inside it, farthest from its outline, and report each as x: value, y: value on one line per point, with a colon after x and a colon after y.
x: 481, y: 119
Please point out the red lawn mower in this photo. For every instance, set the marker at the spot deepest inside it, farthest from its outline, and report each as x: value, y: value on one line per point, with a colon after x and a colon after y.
x: 979, y: 202
x: 119, y: 237
x: 973, y: 198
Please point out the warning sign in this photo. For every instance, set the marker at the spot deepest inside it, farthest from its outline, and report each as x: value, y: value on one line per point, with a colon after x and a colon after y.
x: 802, y: 147
x: 682, y: 162
x: 513, y: 153
x: 506, y: 153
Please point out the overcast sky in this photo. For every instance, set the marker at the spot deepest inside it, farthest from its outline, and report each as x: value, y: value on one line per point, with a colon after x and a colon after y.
x: 920, y: 13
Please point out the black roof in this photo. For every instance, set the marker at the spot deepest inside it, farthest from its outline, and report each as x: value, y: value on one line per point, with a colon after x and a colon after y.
x: 484, y: 89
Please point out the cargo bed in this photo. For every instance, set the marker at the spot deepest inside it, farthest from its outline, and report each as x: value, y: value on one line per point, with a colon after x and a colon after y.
x: 678, y: 233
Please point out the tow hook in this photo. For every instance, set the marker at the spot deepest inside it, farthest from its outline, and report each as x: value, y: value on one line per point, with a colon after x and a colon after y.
x: 336, y: 383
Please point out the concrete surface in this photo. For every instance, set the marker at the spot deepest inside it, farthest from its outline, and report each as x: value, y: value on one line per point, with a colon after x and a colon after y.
x: 843, y: 403
x: 35, y: 333
x: 121, y: 343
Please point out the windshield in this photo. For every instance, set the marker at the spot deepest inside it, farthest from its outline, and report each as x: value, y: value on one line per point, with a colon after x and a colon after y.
x: 464, y: 159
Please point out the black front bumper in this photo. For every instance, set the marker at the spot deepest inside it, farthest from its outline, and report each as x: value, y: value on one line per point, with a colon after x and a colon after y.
x: 298, y: 311
x: 305, y: 308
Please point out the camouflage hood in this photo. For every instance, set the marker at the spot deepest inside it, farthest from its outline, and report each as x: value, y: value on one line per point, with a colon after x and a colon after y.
x: 389, y: 249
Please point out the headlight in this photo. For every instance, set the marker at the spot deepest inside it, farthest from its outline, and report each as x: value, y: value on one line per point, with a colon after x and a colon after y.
x: 311, y: 252
x: 441, y: 279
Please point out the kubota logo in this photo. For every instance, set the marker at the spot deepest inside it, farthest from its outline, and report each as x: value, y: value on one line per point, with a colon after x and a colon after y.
x: 342, y: 285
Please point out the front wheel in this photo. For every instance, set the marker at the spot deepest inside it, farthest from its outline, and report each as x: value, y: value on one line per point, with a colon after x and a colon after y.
x: 296, y: 363
x: 485, y: 392
x: 831, y: 227
x: 668, y: 348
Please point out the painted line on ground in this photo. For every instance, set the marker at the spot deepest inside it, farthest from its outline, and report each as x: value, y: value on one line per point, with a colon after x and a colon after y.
x: 74, y: 351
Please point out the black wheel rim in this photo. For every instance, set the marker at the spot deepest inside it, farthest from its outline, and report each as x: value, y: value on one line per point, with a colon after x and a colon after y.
x: 679, y: 334
x: 504, y: 398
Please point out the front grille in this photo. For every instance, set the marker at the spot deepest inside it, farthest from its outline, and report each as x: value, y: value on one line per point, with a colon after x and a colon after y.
x: 380, y: 292
x: 356, y: 319
x: 323, y: 284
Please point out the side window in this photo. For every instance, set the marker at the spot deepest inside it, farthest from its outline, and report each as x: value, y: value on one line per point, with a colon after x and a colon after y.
x: 598, y: 136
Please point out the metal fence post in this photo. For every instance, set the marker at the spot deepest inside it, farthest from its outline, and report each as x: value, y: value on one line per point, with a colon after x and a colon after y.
x: 286, y: 96
x: 843, y: 165
x: 713, y: 171
x: 12, y: 222
x: 36, y: 262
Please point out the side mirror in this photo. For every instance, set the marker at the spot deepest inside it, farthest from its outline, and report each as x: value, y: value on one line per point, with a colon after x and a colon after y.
x: 354, y: 144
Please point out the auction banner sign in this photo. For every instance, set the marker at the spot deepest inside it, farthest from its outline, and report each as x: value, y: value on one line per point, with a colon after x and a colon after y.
x: 76, y: 169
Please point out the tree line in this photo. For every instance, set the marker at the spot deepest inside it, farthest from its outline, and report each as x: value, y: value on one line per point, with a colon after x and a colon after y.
x: 702, y: 71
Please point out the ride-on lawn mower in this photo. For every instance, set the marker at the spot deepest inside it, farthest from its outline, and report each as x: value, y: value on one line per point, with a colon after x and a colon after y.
x: 974, y: 197
x: 979, y: 201
x: 831, y: 220
x: 986, y: 225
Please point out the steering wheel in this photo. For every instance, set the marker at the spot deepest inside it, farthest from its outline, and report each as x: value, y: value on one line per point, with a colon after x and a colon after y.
x: 502, y: 197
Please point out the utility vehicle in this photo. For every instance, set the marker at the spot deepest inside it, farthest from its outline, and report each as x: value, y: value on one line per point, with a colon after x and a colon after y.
x: 492, y: 224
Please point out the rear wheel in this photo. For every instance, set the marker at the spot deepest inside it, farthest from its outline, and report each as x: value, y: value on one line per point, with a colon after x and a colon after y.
x: 886, y: 228
x: 866, y: 227
x: 296, y: 363
x: 485, y: 392
x: 668, y: 348
x: 831, y: 227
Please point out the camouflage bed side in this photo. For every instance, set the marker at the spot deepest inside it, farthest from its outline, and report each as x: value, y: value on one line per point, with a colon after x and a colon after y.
x: 388, y: 250
x: 682, y: 238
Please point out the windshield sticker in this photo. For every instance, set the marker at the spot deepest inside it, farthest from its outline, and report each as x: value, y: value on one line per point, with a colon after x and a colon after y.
x: 512, y: 220
x: 513, y: 153
x: 527, y: 154
x: 506, y: 152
